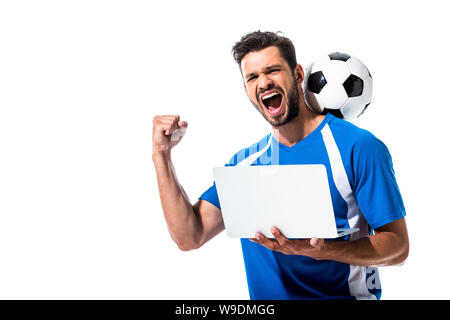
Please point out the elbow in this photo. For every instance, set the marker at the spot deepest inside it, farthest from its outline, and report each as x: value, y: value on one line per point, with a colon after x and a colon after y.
x: 186, y: 243
x: 186, y: 246
x: 401, y: 257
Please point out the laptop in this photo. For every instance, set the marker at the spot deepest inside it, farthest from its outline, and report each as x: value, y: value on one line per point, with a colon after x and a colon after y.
x: 294, y: 198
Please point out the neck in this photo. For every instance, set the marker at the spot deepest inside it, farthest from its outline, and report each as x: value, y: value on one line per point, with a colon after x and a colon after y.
x: 299, y: 127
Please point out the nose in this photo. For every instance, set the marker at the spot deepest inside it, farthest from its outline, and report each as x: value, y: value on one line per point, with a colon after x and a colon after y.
x: 264, y: 83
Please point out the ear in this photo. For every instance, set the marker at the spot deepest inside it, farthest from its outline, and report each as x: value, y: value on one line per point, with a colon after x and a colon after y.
x: 245, y: 88
x: 299, y: 73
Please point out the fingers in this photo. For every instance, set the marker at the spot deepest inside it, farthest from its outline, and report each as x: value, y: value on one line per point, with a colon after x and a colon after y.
x: 177, y: 135
x: 316, y: 243
x: 168, y: 123
x: 266, y: 242
x: 182, y: 124
x: 164, y: 127
x: 288, y: 246
x: 281, y: 239
x: 280, y: 243
x: 172, y: 124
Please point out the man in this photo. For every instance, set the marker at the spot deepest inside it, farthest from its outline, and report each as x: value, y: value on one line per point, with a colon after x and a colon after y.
x: 361, y: 179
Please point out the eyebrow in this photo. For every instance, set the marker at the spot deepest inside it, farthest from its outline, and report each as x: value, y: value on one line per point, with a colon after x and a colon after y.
x: 269, y: 68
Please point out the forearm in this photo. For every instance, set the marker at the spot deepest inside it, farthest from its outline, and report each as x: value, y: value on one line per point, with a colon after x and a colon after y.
x: 182, y: 221
x: 381, y: 249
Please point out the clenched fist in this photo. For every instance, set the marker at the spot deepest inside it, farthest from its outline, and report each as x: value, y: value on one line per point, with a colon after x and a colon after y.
x: 168, y: 130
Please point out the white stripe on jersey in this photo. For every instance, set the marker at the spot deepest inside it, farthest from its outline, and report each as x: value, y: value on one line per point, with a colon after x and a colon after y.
x: 357, y: 278
x: 253, y: 157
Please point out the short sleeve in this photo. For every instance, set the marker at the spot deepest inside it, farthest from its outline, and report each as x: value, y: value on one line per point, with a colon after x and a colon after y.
x: 375, y: 185
x: 211, y: 196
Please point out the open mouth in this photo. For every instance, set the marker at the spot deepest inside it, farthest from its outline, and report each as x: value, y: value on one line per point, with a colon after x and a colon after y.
x: 273, y: 102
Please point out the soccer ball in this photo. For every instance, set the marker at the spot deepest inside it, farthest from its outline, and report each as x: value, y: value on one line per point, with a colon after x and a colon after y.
x: 339, y: 84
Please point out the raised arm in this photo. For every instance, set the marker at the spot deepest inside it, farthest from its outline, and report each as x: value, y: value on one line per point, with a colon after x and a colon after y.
x: 190, y: 226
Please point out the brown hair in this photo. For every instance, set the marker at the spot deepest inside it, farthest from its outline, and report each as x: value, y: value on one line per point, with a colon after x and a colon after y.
x: 258, y: 40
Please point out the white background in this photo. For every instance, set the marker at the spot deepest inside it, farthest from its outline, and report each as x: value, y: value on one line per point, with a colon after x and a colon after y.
x: 80, y: 82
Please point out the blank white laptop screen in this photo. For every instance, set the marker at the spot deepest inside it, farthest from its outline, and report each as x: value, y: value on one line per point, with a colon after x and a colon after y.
x: 294, y: 198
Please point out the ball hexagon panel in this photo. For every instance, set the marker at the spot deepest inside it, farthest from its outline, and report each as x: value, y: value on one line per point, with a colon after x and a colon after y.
x: 357, y: 68
x: 332, y: 96
x: 336, y: 72
x: 365, y: 108
x: 368, y: 89
x: 319, y: 64
x: 353, y: 107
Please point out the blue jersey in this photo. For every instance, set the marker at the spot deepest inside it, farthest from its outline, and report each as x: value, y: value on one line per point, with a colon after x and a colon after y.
x: 365, y: 195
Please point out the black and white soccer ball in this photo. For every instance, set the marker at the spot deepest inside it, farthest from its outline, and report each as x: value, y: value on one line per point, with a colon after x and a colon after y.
x: 339, y: 84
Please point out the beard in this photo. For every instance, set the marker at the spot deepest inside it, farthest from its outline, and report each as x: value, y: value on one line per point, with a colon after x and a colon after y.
x: 292, y: 105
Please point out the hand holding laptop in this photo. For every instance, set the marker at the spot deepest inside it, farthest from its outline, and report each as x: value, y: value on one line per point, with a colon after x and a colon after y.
x: 288, y: 246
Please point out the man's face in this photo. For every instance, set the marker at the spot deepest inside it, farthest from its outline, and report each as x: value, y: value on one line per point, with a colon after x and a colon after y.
x: 271, y: 86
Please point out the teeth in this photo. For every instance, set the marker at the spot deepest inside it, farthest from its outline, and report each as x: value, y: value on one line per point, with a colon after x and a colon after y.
x: 270, y: 95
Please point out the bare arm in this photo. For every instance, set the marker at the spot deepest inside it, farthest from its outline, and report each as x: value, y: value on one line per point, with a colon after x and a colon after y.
x: 388, y: 246
x: 189, y: 226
